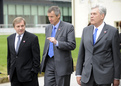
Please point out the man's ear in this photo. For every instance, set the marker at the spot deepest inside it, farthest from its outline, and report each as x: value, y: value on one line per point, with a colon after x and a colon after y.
x: 102, y: 16
x: 58, y: 16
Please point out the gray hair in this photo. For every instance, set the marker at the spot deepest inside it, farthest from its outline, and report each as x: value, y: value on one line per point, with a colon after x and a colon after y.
x: 56, y: 9
x: 101, y: 8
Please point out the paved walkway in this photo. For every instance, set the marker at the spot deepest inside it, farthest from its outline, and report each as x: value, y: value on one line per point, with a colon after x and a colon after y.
x: 41, y: 81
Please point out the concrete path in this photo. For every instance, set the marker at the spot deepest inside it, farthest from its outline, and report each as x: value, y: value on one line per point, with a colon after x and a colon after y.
x: 41, y: 81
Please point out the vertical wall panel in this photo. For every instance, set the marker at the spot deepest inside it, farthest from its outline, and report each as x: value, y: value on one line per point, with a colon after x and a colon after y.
x: 27, y: 10
x: 11, y: 9
x: 70, y: 11
x: 65, y: 11
x: 19, y: 9
x: 5, y: 9
x: 61, y: 13
x: 41, y: 10
x: 46, y: 9
x: 34, y: 10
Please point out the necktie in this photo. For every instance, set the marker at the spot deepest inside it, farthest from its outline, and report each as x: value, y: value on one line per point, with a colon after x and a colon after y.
x: 94, y: 36
x: 18, y: 43
x: 51, y: 51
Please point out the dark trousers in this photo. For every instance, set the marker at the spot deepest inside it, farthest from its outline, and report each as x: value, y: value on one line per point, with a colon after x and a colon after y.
x: 16, y: 82
x: 51, y: 78
x: 93, y: 83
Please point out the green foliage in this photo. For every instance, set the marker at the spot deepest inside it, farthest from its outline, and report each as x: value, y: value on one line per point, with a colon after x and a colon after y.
x: 41, y: 37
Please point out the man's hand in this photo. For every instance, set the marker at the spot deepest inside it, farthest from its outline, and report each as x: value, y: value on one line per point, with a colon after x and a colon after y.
x: 52, y: 39
x: 78, y: 80
x: 116, y: 82
x: 9, y: 77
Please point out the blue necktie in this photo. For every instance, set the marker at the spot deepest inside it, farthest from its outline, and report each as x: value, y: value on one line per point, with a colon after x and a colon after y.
x: 94, y: 36
x: 51, y: 51
x: 18, y: 43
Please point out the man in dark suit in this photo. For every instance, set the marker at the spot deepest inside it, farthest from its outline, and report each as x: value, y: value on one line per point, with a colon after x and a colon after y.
x: 23, y: 58
x: 57, y: 62
x: 120, y: 37
x: 120, y: 43
x: 98, y: 61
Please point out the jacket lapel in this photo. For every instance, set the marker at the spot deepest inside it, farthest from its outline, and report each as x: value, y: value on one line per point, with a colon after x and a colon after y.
x: 104, y: 30
x: 91, y: 34
x: 60, y: 28
x: 48, y: 34
x: 13, y: 42
x: 50, y: 31
x: 23, y: 41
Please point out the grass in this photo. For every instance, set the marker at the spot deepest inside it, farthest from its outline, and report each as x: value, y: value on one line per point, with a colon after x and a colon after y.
x: 41, y: 37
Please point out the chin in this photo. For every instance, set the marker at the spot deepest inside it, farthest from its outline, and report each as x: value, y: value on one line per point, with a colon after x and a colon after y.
x: 92, y: 23
x: 21, y: 33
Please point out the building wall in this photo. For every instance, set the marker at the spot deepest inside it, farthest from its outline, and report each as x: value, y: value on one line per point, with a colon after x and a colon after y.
x: 34, y: 13
x: 81, y: 13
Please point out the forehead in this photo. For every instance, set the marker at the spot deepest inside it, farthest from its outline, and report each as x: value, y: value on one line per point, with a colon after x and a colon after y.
x: 51, y: 13
x: 95, y: 10
x: 20, y: 22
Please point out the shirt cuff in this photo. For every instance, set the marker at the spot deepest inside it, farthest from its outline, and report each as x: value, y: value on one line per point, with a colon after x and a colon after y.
x: 56, y: 44
x: 78, y: 76
x: 116, y: 79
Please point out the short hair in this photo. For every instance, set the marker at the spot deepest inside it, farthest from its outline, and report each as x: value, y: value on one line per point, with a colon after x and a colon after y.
x: 120, y: 24
x: 56, y: 9
x: 102, y: 9
x: 18, y: 20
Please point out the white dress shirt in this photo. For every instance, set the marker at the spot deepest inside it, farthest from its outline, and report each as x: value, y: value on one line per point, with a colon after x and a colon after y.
x: 99, y: 30
x: 16, y: 39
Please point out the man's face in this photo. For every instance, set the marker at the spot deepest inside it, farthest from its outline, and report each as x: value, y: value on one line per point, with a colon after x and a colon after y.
x: 53, y: 18
x: 20, y: 27
x: 96, y: 17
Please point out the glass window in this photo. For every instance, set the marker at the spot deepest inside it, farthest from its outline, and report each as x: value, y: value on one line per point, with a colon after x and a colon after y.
x: 34, y: 10
x: 27, y: 10
x: 19, y: 9
x: 11, y: 9
x: 41, y: 19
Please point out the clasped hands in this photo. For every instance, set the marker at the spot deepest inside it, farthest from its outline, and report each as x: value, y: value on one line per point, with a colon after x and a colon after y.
x: 52, y: 39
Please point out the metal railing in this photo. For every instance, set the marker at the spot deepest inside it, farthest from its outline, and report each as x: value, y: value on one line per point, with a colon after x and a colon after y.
x: 8, y: 29
x: 27, y: 26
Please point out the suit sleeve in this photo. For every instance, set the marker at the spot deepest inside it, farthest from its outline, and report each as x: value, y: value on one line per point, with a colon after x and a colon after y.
x: 81, y: 56
x: 68, y: 43
x: 36, y: 55
x: 8, y: 57
x: 120, y: 40
x: 116, y: 55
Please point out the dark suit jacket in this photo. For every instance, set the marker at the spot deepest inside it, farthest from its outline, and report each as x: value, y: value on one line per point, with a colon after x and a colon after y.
x: 62, y: 54
x: 102, y: 58
x: 120, y: 39
x: 27, y: 61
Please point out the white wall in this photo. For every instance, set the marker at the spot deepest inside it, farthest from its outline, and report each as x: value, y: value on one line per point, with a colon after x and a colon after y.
x: 81, y: 11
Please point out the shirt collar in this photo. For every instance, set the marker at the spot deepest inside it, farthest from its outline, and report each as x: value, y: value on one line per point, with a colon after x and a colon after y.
x: 18, y: 34
x: 57, y: 25
x: 100, y: 27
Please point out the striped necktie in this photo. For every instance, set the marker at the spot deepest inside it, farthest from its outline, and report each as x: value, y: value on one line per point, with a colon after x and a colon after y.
x: 18, y: 43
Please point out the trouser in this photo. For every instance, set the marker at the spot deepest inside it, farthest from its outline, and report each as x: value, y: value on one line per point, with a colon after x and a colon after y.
x: 51, y: 78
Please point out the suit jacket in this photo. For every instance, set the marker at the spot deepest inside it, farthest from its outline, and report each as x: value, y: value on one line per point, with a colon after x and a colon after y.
x: 62, y: 53
x: 102, y: 58
x: 27, y: 61
x: 120, y: 39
